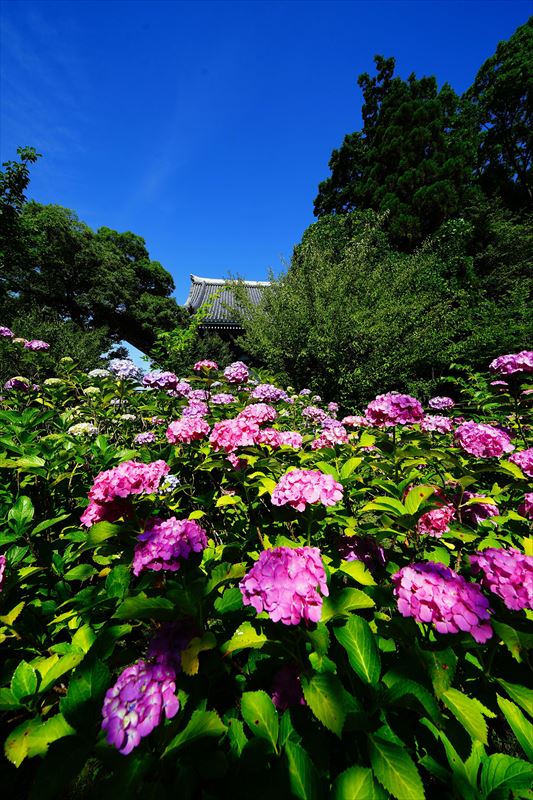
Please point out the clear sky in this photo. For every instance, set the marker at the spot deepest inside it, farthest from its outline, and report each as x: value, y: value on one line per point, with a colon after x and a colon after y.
x: 206, y: 127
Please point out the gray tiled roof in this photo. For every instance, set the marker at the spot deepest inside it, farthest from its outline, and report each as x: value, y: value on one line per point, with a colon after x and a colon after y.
x: 203, y: 289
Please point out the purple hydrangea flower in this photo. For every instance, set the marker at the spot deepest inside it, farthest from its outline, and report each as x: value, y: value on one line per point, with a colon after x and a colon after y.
x: 37, y: 345
x: 164, y: 544
x: 18, y: 382
x: 284, y: 582
x: 525, y: 509
x: 507, y: 574
x: 3, y: 563
x: 236, y: 372
x: 157, y: 379
x: 512, y: 363
x: 223, y: 399
x: 363, y: 548
x: 524, y: 460
x: 433, y: 593
x: 269, y: 393
x: 441, y: 403
x: 145, y: 438
x: 124, y: 369
x: 305, y: 392
x: 7, y: 332
x: 436, y: 422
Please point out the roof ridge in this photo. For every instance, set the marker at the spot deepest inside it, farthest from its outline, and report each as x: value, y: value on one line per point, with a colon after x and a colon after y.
x: 223, y: 281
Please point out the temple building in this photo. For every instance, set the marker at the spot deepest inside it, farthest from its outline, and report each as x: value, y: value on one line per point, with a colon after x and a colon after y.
x: 222, y: 317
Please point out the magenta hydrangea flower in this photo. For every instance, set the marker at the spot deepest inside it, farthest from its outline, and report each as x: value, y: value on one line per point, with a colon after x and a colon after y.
x: 524, y: 460
x: 284, y: 582
x: 333, y: 408
x: 436, y: 422
x: 231, y: 434
x: 157, y: 421
x: 441, y: 403
x: 181, y: 389
x: 142, y: 696
x: 18, y: 382
x: 223, y: 399
x: 258, y: 413
x: 145, y: 438
x: 198, y: 394
x: 512, y: 363
x: 268, y: 436
x: 355, y: 421
x: 37, y: 345
x: 500, y: 386
x: 7, y: 332
x: 477, y: 512
x: 206, y: 365
x: 160, y: 380
x: 436, y: 522
x: 394, y: 408
x: 269, y: 393
x: 315, y: 414
x: 164, y: 544
x: 435, y: 594
x: 507, y: 574
x: 195, y: 408
x: 287, y: 688
x: 236, y: 462
x: 187, y: 430
x: 330, y: 437
x: 365, y: 549
x: 105, y: 512
x: 525, y: 509
x: 236, y: 372
x: 301, y: 487
x: 291, y: 439
x: 483, y: 441
x: 3, y: 562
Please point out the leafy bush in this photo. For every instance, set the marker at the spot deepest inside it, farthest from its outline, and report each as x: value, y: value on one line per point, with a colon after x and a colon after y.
x: 240, y: 599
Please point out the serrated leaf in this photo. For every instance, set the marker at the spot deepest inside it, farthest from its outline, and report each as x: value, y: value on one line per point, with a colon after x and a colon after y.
x: 64, y: 665
x: 358, y: 571
x: 224, y: 572
x: 201, y: 724
x: 245, y: 637
x: 469, y: 712
x: 341, y: 604
x: 395, y: 769
x: 82, y: 572
x: 357, y: 783
x: 325, y: 696
x: 142, y: 607
x: 398, y: 687
x: 520, y: 726
x: 229, y: 600
x: 259, y: 713
x: 504, y: 772
x: 302, y: 774
x: 361, y: 646
x: 519, y: 694
x: 100, y: 532
x: 24, y: 681
x: 349, y: 466
x: 33, y: 737
x: 190, y: 661
x: 48, y: 523
x: 389, y: 504
x: 236, y: 735
x: 9, y: 619
x: 514, y: 640
x: 416, y: 496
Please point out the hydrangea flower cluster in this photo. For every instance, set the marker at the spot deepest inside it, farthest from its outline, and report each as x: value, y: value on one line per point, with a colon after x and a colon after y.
x: 512, y: 363
x: 205, y: 364
x: 83, y: 429
x: 524, y: 460
x: 198, y: 394
x: 333, y: 408
x: 507, y: 574
x: 314, y: 414
x: 436, y: 522
x: 128, y: 417
x: 3, y: 562
x: 441, y: 403
x: 287, y: 688
x: 269, y: 393
x: 355, y: 421
x: 145, y: 438
x: 124, y: 369
x: 143, y: 694
x: 258, y: 413
x: 113, y: 485
x: 195, y: 408
x: 7, y: 332
x: 284, y: 582
x: 483, y: 441
x: 236, y: 372
x: 18, y: 382
x: 305, y: 392
x: 181, y: 389
x: 477, y: 512
x: 187, y: 430
x: 231, y: 434
x: 301, y: 487
x: 268, y: 436
x: 525, y: 509
x: 394, y: 408
x: 291, y: 439
x: 330, y: 437
x: 37, y: 345
x: 436, y: 422
x: 168, y: 484
x: 363, y: 548
x: 435, y: 594
x: 164, y: 544
x: 157, y: 379
x: 99, y: 373
x: 223, y: 399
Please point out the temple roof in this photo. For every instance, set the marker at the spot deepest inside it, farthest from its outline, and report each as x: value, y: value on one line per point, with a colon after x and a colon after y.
x: 220, y: 316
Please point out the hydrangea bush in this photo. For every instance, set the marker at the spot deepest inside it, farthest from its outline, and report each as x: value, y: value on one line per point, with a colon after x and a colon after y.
x: 211, y: 588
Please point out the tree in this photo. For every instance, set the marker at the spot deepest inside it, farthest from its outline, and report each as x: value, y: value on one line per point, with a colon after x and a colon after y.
x: 413, y: 158
x: 502, y: 97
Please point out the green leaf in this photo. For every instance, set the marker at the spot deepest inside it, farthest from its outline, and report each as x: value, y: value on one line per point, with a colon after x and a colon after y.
x: 441, y: 665
x: 514, y: 640
x: 24, y: 681
x: 519, y: 694
x: 469, y: 712
x: 395, y: 769
x: 86, y: 689
x: 302, y: 774
x: 358, y: 571
x: 228, y: 500
x: 325, y: 696
x: 201, y: 724
x: 357, y: 783
x: 65, y: 664
x: 341, y: 604
x: 349, y: 466
x: 22, y: 512
x: 142, y: 607
x: 99, y: 532
x: 33, y: 737
x: 8, y: 701
x: 229, y: 600
x: 9, y: 619
x: 360, y: 644
x: 417, y: 496
x: 190, y: 661
x: 245, y: 637
x: 80, y: 573
x: 398, y: 687
x: 84, y: 638
x: 504, y: 772
x: 236, y: 736
x: 118, y: 581
x: 259, y: 713
x: 224, y: 572
x: 521, y: 727
x: 48, y: 523
x: 389, y: 504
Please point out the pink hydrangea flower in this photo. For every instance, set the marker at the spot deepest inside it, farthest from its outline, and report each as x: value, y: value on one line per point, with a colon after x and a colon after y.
x: 105, y: 512
x: 513, y: 363
x: 441, y: 403
x: 436, y: 522
x: 355, y: 421
x: 130, y: 477
x: 524, y: 460
x: 195, y: 408
x: 236, y: 372
x: 315, y: 414
x: 181, y: 389
x: 198, y: 394
x: 477, y: 512
x: 330, y: 437
x: 7, y: 332
x: 37, y: 345
x: 483, y: 441
x: 236, y: 462
x: 3, y: 562
x: 258, y: 413
x: 436, y: 422
x: 187, y: 430
x: 435, y: 594
x: 164, y: 544
x: 268, y: 436
x: 301, y: 487
x: 507, y: 574
x: 284, y: 582
x: 160, y: 380
x: 223, y: 399
x: 291, y: 439
x: 231, y: 434
x: 394, y: 408
x: 525, y: 509
x: 205, y: 364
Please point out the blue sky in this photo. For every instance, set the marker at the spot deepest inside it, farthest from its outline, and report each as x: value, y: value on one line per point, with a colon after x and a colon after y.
x: 206, y: 127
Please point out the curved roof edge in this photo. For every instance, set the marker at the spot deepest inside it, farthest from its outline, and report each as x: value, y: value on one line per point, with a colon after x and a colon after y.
x: 222, y: 281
